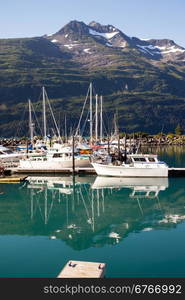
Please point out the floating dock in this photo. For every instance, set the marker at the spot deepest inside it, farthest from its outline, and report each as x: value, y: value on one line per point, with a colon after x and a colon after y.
x: 176, y: 172
x: 172, y: 172
x: 11, y: 179
x: 83, y: 269
x: 49, y: 171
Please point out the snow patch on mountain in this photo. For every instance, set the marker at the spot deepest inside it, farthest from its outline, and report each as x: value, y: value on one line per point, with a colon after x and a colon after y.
x: 54, y: 41
x: 87, y: 51
x: 169, y: 49
x: 145, y: 39
x: 145, y: 49
x: 107, y: 35
x: 152, y: 50
x: 69, y: 46
x: 109, y: 44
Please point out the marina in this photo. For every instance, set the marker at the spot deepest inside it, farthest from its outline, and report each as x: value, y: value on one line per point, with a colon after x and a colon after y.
x: 94, y: 199
x: 133, y: 225
x: 92, y: 148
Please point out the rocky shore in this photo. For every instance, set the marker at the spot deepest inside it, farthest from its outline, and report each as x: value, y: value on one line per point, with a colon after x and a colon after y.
x: 153, y: 140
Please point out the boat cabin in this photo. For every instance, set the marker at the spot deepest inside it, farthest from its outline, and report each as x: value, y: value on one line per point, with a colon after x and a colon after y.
x: 142, y: 158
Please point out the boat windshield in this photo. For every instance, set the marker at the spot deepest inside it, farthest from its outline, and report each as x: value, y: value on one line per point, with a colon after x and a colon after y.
x: 6, y: 151
x: 151, y: 159
x: 139, y: 159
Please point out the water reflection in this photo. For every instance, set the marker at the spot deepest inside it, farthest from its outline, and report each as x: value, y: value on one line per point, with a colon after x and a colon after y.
x: 92, y: 211
x: 173, y: 155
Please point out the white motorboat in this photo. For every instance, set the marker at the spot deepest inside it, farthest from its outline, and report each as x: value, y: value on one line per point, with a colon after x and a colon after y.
x: 55, y: 160
x: 136, y: 165
x: 9, y: 156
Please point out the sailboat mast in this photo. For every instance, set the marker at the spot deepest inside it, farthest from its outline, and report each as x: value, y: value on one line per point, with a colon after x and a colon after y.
x: 91, y: 117
x: 96, y: 119
x: 30, y: 122
x: 44, y: 110
x: 65, y: 129
x: 101, y: 118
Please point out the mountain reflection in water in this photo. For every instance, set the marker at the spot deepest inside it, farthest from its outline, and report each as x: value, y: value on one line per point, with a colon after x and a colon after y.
x: 90, y: 211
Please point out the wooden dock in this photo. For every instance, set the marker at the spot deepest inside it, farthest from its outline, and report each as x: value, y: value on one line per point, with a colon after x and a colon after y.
x: 172, y: 172
x: 10, y: 179
x: 83, y: 269
x: 176, y: 172
x: 49, y: 171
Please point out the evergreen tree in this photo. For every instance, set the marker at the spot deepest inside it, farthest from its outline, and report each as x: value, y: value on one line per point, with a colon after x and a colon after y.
x: 178, y: 130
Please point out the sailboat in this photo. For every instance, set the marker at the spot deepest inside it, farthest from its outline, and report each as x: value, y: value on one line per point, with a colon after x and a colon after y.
x: 55, y: 158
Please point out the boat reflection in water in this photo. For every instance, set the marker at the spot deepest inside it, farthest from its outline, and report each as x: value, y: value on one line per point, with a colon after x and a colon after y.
x: 94, y: 211
x: 142, y: 187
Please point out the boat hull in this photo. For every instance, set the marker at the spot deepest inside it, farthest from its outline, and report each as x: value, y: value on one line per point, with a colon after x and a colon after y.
x: 53, y: 165
x: 127, y: 171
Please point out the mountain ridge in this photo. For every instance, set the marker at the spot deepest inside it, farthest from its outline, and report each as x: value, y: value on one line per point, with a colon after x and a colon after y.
x: 110, y: 36
x: 144, y: 79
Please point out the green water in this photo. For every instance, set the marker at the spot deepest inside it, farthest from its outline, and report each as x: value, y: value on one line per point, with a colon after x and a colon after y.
x: 136, y: 226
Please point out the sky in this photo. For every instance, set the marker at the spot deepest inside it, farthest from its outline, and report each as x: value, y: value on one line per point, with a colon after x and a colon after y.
x: 140, y: 18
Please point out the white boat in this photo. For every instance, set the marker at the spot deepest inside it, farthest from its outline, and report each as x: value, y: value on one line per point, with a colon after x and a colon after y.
x: 7, y: 155
x: 141, y: 187
x: 55, y: 160
x: 137, y: 165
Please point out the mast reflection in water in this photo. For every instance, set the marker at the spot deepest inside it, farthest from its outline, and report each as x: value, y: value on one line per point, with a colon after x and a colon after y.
x: 132, y: 224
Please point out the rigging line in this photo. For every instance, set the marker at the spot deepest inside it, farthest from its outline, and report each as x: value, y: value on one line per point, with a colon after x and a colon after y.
x: 50, y: 209
x: 104, y: 127
x: 38, y: 205
x: 73, y: 128
x: 39, y: 98
x: 36, y: 119
x: 87, y: 212
x: 106, y: 117
x: 83, y: 128
x: 21, y: 121
x: 94, y: 90
x: 76, y: 133
x: 55, y: 123
x: 88, y: 192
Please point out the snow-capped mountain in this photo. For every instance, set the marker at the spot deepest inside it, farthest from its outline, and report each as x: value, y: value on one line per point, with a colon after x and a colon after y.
x: 161, y: 49
x: 143, y: 79
x: 83, y: 40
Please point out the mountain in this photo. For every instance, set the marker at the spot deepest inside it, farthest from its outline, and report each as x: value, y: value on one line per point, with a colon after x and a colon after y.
x: 144, y: 80
x: 77, y: 36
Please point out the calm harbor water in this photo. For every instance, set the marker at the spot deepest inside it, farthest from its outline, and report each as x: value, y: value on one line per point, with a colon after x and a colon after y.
x: 136, y: 226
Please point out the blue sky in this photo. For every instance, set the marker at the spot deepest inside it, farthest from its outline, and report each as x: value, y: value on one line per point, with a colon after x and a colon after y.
x: 141, y: 18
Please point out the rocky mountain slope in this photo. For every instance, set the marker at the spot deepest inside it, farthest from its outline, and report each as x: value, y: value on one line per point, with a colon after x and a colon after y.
x: 144, y: 80
x: 82, y: 40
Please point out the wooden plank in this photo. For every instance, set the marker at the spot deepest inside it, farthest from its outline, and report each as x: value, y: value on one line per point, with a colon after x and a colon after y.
x: 82, y: 269
x: 10, y: 180
x: 49, y: 171
x: 176, y: 172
